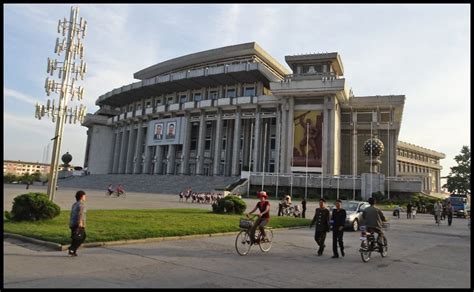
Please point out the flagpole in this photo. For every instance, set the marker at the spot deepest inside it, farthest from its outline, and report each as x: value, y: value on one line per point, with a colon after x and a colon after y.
x: 250, y: 160
x: 371, y: 169
x: 307, y: 151
x: 322, y: 156
x: 388, y: 158
x: 264, y: 153
x: 279, y: 161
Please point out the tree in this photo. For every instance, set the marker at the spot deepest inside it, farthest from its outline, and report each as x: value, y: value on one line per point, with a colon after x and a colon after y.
x: 459, y: 179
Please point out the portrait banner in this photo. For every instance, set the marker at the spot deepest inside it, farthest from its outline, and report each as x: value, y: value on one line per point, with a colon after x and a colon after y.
x: 308, y: 138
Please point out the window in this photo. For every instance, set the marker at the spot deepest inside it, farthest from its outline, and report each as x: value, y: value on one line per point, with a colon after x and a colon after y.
x: 130, y: 108
x: 346, y: 117
x: 148, y: 104
x: 139, y: 106
x: 197, y: 96
x: 385, y: 117
x: 183, y: 98
x: 230, y: 92
x: 213, y: 94
x: 170, y: 100
x: 249, y: 91
x: 364, y: 117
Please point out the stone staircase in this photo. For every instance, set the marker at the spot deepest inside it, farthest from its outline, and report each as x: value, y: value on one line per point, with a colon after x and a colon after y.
x: 162, y: 184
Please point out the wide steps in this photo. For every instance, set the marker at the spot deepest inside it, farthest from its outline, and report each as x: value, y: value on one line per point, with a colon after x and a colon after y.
x: 162, y: 184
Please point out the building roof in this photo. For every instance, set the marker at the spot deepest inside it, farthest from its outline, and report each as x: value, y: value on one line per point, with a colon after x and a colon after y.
x: 414, y: 147
x: 210, y: 56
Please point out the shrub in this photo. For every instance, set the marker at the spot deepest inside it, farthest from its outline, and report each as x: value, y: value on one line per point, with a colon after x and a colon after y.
x: 230, y: 205
x: 32, y: 207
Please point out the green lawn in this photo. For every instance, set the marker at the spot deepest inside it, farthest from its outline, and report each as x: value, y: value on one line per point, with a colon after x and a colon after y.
x: 112, y: 225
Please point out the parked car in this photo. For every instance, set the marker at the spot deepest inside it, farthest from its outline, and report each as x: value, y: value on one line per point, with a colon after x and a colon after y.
x: 354, y: 213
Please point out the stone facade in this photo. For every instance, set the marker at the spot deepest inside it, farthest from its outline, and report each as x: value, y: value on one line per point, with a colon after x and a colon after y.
x: 242, y: 110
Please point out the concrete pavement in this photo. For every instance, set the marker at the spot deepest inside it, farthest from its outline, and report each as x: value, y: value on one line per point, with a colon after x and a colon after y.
x: 421, y: 255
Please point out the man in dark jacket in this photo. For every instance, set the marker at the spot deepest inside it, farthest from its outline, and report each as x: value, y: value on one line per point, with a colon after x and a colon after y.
x: 321, y: 219
x: 303, y: 204
x: 338, y: 218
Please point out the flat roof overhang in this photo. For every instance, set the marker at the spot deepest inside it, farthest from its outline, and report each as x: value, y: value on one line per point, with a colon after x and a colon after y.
x: 184, y: 80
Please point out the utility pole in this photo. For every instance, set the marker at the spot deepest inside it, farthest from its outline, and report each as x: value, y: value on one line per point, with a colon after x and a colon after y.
x: 69, y: 72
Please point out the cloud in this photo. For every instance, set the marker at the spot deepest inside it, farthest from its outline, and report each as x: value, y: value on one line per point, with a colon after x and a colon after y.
x: 11, y: 93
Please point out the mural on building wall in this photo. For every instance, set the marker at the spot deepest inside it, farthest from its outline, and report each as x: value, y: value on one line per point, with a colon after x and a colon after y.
x: 308, y: 137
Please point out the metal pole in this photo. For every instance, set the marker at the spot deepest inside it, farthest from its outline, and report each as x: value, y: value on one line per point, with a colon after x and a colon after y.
x: 371, y: 170
x: 338, y: 187
x: 53, y: 174
x: 278, y: 166
x: 292, y: 160
x: 264, y: 153
x: 388, y: 159
x: 307, y: 151
x: 353, y: 164
x: 250, y: 160
x: 322, y: 164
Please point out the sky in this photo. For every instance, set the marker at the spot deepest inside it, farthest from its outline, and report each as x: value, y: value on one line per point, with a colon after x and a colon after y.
x: 421, y: 51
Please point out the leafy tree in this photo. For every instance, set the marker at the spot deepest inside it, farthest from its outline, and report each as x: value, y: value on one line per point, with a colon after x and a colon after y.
x: 459, y: 179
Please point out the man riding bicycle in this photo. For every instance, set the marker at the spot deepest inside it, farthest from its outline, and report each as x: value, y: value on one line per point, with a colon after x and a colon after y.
x: 374, y: 218
x: 263, y: 218
x: 120, y: 190
x: 110, y: 190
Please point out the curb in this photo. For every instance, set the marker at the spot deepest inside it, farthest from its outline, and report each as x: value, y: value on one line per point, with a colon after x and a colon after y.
x: 52, y: 245
x: 59, y: 247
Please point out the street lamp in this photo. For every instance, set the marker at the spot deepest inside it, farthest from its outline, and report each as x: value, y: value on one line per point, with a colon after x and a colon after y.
x: 69, y: 72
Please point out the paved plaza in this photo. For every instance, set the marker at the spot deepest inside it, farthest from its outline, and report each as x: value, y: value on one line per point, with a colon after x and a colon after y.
x: 421, y: 255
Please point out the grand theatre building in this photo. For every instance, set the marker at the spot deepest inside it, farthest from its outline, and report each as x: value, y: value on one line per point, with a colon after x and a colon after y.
x: 235, y: 109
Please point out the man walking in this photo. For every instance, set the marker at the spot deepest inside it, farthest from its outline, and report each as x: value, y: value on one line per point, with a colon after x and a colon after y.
x: 338, y: 218
x: 303, y: 204
x: 77, y: 223
x: 321, y: 219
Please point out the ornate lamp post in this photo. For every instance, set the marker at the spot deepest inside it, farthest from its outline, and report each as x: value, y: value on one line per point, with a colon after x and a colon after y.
x: 69, y: 72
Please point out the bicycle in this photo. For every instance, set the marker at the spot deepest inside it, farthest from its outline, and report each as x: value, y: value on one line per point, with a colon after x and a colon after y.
x: 114, y: 193
x: 243, y: 242
x: 371, y: 244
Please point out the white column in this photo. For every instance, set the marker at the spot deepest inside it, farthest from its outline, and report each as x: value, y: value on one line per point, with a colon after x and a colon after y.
x: 236, y: 147
x: 289, y: 135
x: 147, y: 162
x: 277, y: 140
x: 284, y: 168
x: 218, y: 143
x: 138, y: 150
x: 201, y: 140
x: 186, y: 147
x: 159, y: 160
x: 256, y: 144
x: 130, y: 151
x: 121, y: 166
x: 116, y: 156
x: 171, y: 159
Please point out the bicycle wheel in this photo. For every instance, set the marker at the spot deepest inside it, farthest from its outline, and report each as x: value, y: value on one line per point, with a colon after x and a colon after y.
x: 384, y: 247
x: 242, y: 243
x: 365, y: 251
x: 265, y: 245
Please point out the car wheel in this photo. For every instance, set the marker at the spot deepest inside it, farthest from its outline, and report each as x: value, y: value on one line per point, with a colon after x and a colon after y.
x: 355, y: 225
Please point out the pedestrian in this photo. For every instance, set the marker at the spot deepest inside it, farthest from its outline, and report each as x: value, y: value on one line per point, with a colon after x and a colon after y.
x: 338, y: 218
x: 27, y: 185
x: 321, y: 220
x: 437, y: 209
x: 77, y: 223
x: 409, y: 210
x: 303, y: 204
x: 450, y: 212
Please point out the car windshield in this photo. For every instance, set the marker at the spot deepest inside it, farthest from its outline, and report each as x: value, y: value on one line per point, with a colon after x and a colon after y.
x: 350, y: 206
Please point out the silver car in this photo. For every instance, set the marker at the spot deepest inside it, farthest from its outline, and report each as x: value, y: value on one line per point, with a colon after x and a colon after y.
x: 354, y: 213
